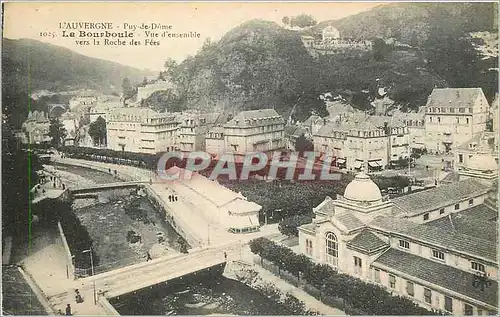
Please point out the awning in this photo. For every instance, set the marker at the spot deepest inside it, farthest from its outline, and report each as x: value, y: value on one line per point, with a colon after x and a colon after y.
x: 242, y: 222
x: 357, y: 164
x: 341, y: 160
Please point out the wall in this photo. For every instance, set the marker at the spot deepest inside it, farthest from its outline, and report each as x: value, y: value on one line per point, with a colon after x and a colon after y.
x: 69, y: 265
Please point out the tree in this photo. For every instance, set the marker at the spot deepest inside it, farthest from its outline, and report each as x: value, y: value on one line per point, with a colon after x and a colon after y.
x: 97, y: 131
x: 57, y: 132
x: 285, y: 20
x: 380, y: 49
x: 302, y: 144
x: 289, y: 226
x: 302, y: 21
x: 127, y: 89
x: 170, y: 66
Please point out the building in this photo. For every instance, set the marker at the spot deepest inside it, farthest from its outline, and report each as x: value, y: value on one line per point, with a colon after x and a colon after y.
x: 141, y: 130
x: 37, y: 127
x: 103, y: 106
x: 84, y: 98
x: 425, y: 246
x: 453, y: 116
x: 330, y: 33
x: 193, y: 129
x: 215, y: 140
x: 330, y: 41
x: 147, y: 90
x: 359, y: 140
x: 215, y: 202
x: 292, y: 133
x: 251, y: 131
x: 415, y: 122
x: 478, y: 157
x: 71, y: 123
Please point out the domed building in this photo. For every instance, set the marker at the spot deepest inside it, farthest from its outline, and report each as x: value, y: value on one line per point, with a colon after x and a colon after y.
x: 419, y: 245
x: 476, y: 158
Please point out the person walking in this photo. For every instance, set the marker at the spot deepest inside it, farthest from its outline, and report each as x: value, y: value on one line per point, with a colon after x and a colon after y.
x: 68, y: 310
x: 225, y: 256
x: 148, y: 257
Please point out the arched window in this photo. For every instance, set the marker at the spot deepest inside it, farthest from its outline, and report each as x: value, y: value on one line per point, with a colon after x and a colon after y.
x: 332, y: 249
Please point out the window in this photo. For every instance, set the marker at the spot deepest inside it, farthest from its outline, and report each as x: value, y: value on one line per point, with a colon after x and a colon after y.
x: 452, y: 110
x: 470, y: 110
x: 427, y: 296
x: 441, y: 211
x: 467, y: 120
x: 461, y: 110
x: 478, y: 267
x: 430, y: 119
x: 404, y: 244
x: 471, y: 202
x: 410, y: 288
x: 438, y: 255
x: 439, y: 120
x: 468, y: 310
x: 426, y: 216
x: 448, y: 304
x: 357, y: 265
x: 457, y: 206
x: 376, y: 275
x: 332, y: 252
x: 392, y: 281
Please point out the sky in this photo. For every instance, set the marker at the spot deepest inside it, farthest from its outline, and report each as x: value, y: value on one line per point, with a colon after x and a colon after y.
x: 41, y: 21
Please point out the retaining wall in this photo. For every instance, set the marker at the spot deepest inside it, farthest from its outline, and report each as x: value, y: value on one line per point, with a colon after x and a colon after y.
x: 70, y: 266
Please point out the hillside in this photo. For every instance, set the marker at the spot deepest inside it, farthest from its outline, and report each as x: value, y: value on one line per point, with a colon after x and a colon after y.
x: 260, y: 64
x: 56, y: 68
x: 412, y: 23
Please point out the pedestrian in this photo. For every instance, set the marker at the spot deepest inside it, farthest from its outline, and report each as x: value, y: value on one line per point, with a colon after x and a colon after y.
x: 63, y: 186
x: 109, y: 170
x: 175, y: 198
x: 225, y: 256
x: 148, y: 257
x: 54, y: 184
x: 68, y: 310
x: 169, y: 198
x: 59, y: 312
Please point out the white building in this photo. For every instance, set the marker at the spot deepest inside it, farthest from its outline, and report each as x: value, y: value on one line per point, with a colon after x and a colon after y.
x: 415, y: 122
x: 425, y: 246
x: 251, y: 131
x: 359, y: 140
x: 84, y: 98
x: 141, y: 130
x: 218, y: 204
x: 193, y: 129
x: 36, y: 127
x: 147, y: 90
x: 453, y: 116
x: 330, y: 33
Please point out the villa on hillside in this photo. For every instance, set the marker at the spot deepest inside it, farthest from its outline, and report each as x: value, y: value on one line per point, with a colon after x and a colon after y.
x: 424, y: 246
x: 331, y: 42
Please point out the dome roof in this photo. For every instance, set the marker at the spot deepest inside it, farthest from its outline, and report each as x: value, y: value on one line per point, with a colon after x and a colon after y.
x: 362, y: 188
x: 482, y: 162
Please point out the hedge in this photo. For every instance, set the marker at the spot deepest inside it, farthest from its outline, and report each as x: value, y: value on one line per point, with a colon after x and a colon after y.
x: 369, y: 298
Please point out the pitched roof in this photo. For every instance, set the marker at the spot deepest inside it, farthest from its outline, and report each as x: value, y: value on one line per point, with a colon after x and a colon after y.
x: 367, y: 241
x: 327, y: 206
x: 349, y: 220
x: 450, y: 240
x: 453, y: 97
x: 479, y: 221
x: 244, y: 118
x: 439, y: 274
x: 424, y: 201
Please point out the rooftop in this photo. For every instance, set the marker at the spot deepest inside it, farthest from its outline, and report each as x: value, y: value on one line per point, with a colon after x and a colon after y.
x: 349, y: 220
x: 439, y: 274
x: 454, y: 97
x: 448, y: 240
x: 245, y: 118
x: 479, y: 221
x: 441, y: 196
x: 367, y: 241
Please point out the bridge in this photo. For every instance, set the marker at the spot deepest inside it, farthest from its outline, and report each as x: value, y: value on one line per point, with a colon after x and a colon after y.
x: 100, y: 187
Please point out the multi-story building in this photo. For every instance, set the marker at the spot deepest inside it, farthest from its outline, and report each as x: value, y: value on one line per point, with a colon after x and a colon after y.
x: 415, y: 122
x: 141, y: 130
x: 70, y: 122
x: 359, y: 140
x: 85, y: 98
x: 253, y: 131
x: 36, y: 127
x: 193, y: 130
x: 436, y: 247
x: 215, y: 141
x: 103, y: 106
x: 453, y: 116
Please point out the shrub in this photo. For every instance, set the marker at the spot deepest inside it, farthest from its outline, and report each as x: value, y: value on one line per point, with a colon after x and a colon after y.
x: 360, y: 297
x: 289, y: 226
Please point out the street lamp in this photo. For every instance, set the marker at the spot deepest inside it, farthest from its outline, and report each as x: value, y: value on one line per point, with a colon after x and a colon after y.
x: 92, y: 265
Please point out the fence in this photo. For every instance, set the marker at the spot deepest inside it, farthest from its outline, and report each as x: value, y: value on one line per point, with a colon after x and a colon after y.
x: 70, y: 269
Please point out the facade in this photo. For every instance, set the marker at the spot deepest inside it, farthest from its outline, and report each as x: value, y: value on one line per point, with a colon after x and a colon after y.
x: 330, y: 33
x: 141, y: 130
x: 415, y: 122
x: 478, y: 157
x: 217, y: 203
x: 358, y: 141
x: 70, y: 122
x: 103, y: 106
x: 331, y: 42
x: 215, y: 140
x: 85, y: 98
x: 423, y: 246
x: 253, y: 131
x: 193, y: 129
x: 36, y: 127
x: 453, y: 116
